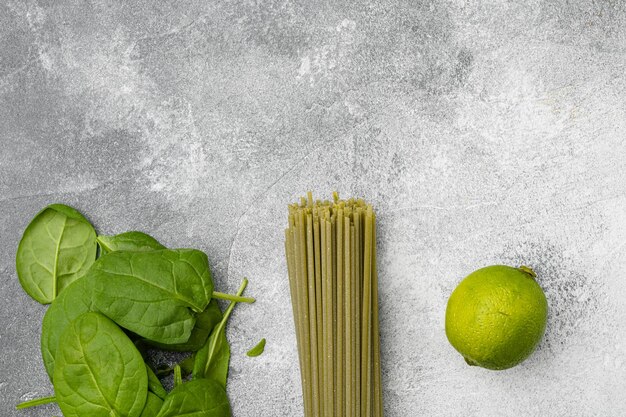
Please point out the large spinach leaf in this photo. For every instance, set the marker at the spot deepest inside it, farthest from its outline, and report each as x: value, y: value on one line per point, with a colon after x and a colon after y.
x: 155, y: 294
x: 205, y: 322
x: 197, y: 398
x: 74, y: 301
x: 57, y: 248
x: 99, y: 372
x: 152, y: 407
x: 212, y: 359
x: 129, y: 241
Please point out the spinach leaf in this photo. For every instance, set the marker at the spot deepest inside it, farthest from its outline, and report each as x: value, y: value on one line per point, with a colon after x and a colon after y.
x: 99, y: 372
x: 57, y: 248
x: 197, y: 398
x: 205, y: 322
x: 213, y: 358
x: 154, y: 384
x: 74, y: 301
x: 152, y: 407
x: 155, y: 294
x: 257, y: 350
x: 130, y: 241
x: 187, y: 364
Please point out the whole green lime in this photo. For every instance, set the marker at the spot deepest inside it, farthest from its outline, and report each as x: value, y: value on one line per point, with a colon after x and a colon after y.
x: 496, y: 316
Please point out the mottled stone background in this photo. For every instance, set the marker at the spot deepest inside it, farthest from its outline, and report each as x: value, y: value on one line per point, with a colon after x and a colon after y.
x: 483, y: 132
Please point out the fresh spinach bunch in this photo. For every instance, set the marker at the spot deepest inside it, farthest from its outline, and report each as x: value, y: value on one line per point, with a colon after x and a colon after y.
x: 137, y: 289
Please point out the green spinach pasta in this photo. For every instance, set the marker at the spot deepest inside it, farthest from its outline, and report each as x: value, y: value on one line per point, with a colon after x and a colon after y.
x: 331, y: 261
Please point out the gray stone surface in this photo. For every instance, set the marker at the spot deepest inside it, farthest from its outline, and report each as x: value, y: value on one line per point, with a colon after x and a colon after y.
x: 483, y: 132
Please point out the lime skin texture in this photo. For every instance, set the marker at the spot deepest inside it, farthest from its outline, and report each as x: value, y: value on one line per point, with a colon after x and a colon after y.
x: 496, y: 316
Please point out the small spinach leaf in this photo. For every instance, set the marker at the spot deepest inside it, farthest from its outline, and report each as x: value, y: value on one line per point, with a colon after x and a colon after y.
x: 99, y: 372
x: 129, y: 241
x: 198, y: 398
x: 212, y: 359
x: 215, y: 358
x: 205, y: 322
x: 155, y: 294
x: 74, y: 301
x: 152, y: 407
x: 154, y: 384
x: 257, y: 350
x: 187, y: 364
x: 57, y: 248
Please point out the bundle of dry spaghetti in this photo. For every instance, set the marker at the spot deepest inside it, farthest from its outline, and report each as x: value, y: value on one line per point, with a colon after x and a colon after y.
x: 331, y: 259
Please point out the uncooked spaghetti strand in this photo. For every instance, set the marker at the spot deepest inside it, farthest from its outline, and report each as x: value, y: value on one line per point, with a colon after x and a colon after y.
x: 366, y: 370
x: 333, y: 337
x: 358, y: 289
x: 328, y: 320
x: 377, y: 400
x: 289, y: 250
x: 312, y: 315
x: 340, y: 363
x: 348, y: 317
x: 302, y: 291
x: 318, y: 250
x: 353, y: 311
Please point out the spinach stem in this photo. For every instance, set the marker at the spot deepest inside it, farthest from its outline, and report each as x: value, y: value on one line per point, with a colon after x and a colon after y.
x: 178, y: 376
x: 186, y: 367
x: 220, y: 327
x: 35, y: 402
x: 234, y: 300
x: 231, y: 297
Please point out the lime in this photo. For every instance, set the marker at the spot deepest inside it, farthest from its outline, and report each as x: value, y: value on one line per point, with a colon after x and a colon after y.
x: 496, y: 316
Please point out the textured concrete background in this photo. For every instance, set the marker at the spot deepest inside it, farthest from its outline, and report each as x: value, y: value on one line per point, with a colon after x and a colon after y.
x: 483, y: 132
